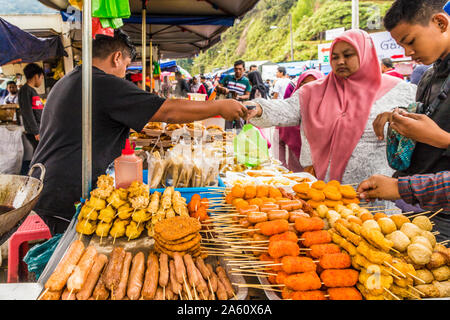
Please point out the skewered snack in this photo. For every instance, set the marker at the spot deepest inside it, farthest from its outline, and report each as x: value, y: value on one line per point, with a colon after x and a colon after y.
x: 270, y: 228
x: 425, y: 275
x: 92, y: 278
x: 118, y: 228
x: 429, y: 290
x: 134, y: 230
x: 441, y: 274
x: 411, y: 230
x: 306, y: 295
x: 281, y: 248
x: 372, y: 254
x: 303, y: 281
x: 318, y: 250
x: 286, y: 236
x: 423, y: 241
x: 339, y: 277
x: 342, y: 242
x: 377, y: 239
x: 437, y: 260
x: 86, y: 227
x: 400, y: 240
x: 348, y: 293
x: 102, y: 229
x: 315, y: 237
x: 136, y: 278
x: 335, y: 261
x: 303, y: 224
x: 423, y: 223
x: 419, y: 254
x: 399, y: 220
x: 296, y: 264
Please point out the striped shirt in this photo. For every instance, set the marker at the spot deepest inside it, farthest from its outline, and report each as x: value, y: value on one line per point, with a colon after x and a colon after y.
x: 240, y: 86
x: 431, y: 191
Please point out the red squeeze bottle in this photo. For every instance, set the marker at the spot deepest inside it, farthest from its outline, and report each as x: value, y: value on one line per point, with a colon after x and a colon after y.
x: 127, y: 167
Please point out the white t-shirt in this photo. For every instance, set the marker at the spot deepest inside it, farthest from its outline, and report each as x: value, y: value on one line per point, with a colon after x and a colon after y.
x: 280, y: 87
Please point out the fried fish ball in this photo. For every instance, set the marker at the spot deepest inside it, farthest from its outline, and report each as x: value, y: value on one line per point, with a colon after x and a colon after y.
x: 249, y: 192
x: 425, y: 275
x: 443, y: 287
x: 387, y: 225
x: 442, y: 273
x: 332, y: 217
x: 379, y: 215
x: 423, y: 241
x: 428, y: 290
x: 345, y: 213
x: 423, y: 223
x: 262, y: 191
x: 371, y: 224
x: 229, y: 198
x: 319, y: 185
x: 366, y: 216
x: 347, y: 191
x: 240, y: 203
x: 322, y: 210
x: 399, y: 220
x: 437, y: 260
x: 238, y: 191
x: 102, y: 229
x: 400, y: 240
x: 332, y: 193
x: 107, y: 214
x: 411, y: 230
x: 316, y: 195
x: 430, y: 237
x: 354, y: 207
x: 419, y: 254
x: 355, y: 219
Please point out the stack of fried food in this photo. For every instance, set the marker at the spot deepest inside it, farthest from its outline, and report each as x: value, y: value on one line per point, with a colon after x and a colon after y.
x: 126, y: 212
x: 392, y: 249
x: 329, y: 194
x: 85, y: 274
x: 178, y: 235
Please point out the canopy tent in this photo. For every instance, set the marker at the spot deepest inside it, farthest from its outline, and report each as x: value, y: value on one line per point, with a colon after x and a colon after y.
x: 180, y: 28
x: 19, y: 46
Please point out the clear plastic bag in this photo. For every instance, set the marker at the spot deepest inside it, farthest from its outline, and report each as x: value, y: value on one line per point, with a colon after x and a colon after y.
x: 38, y: 256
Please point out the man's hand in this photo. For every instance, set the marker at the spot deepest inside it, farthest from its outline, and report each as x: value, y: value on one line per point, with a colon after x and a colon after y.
x: 233, y: 110
x: 254, y: 113
x: 37, y: 137
x: 380, y: 122
x: 421, y: 128
x: 379, y: 187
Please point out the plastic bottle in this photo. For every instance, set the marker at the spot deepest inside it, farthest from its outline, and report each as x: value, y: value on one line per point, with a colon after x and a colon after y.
x: 128, y: 167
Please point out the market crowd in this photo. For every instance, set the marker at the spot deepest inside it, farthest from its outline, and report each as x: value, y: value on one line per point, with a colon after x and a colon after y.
x: 364, y: 122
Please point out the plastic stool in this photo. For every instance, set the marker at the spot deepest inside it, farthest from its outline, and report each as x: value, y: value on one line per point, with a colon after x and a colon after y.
x: 33, y: 228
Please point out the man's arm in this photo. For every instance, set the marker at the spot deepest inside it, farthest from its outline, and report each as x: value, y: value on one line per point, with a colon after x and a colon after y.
x: 245, y: 96
x: 185, y: 111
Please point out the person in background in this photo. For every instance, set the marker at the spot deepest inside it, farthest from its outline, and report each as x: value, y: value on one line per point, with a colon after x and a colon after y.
x: 335, y: 113
x: 281, y: 83
x: 182, y: 87
x: 236, y: 86
x: 166, y: 87
x: 387, y: 67
x: 207, y: 84
x: 12, y: 96
x: 416, y: 75
x: 259, y: 89
x: 30, y: 104
x: 290, y: 137
x: 197, y: 86
x: 252, y: 68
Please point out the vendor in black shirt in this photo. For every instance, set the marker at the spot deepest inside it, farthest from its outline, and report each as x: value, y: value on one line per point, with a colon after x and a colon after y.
x: 117, y: 106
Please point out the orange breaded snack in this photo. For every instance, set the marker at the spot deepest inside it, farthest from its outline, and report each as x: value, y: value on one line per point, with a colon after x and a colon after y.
x: 314, y: 204
x: 334, y: 183
x: 316, y: 195
x: 240, y: 203
x: 347, y: 191
x: 301, y: 188
x: 366, y: 216
x: 332, y: 204
x: 250, y: 192
x: 348, y: 201
x: 274, y: 193
x: 319, y: 185
x: 379, y: 215
x: 355, y: 220
x: 332, y: 193
x: 262, y: 191
x: 255, y: 201
x: 229, y: 198
x: 238, y: 191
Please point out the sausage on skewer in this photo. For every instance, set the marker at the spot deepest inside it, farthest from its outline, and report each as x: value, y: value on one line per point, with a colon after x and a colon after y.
x: 78, y: 277
x: 136, y: 278
x: 121, y: 291
x: 151, y: 277
x: 99, y: 263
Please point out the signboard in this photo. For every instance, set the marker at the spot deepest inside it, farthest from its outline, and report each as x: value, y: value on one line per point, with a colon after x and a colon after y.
x: 387, y: 47
x: 324, y: 52
x: 332, y: 34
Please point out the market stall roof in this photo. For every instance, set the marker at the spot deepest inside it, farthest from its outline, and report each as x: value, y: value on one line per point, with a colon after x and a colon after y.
x: 180, y: 28
x: 17, y: 45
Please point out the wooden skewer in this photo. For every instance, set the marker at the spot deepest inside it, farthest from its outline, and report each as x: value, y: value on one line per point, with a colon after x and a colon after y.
x: 440, y: 210
x: 392, y: 267
x: 418, y: 279
x: 436, y: 233
x: 419, y: 214
x: 391, y: 293
x: 70, y: 294
x: 418, y: 291
x: 42, y: 294
x: 444, y: 242
x: 187, y: 289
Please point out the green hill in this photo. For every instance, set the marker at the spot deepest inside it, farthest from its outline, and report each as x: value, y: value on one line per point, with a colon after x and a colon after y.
x: 256, y: 38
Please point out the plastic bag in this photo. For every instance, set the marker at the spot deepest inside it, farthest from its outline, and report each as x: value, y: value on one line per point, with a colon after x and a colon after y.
x: 38, y: 256
x: 250, y: 147
x: 98, y: 29
x: 111, y: 8
x: 11, y: 150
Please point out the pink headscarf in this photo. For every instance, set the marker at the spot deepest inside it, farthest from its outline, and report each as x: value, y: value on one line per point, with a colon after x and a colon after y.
x: 335, y: 111
x: 312, y: 72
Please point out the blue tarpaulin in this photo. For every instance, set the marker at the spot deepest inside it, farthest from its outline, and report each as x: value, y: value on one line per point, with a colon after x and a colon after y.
x: 20, y: 46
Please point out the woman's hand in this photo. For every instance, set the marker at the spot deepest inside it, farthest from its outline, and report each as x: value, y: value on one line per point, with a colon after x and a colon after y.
x: 421, y: 128
x: 379, y: 187
x: 380, y: 122
x: 255, y: 112
x: 231, y: 109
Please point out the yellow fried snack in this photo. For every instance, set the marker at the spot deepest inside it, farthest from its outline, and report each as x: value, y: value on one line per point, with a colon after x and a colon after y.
x: 87, y: 212
x: 319, y: 185
x: 316, y: 195
x: 107, y: 214
x: 115, y: 200
x: 86, y: 227
x: 134, y: 230
x: 332, y: 193
x: 102, y: 229
x: 118, y: 228
x: 334, y: 183
x: 141, y: 216
x: 301, y: 188
x: 125, y: 211
x: 96, y: 203
x: 347, y: 191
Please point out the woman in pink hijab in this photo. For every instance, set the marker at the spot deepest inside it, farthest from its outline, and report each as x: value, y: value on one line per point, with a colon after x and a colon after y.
x: 336, y: 112
x: 289, y: 137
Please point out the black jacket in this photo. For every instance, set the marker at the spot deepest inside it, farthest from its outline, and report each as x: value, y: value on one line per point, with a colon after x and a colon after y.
x: 426, y: 158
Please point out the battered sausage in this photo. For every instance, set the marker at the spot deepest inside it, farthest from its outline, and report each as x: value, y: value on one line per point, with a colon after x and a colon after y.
x: 213, y: 278
x: 163, y: 270
x: 223, y: 277
x: 192, y: 274
x: 67, y: 295
x: 100, y: 290
x: 64, y: 269
x: 159, y: 295
x: 257, y: 217
x: 180, y: 268
x: 221, y: 291
x: 200, y: 264
x: 136, y: 278
x: 93, y: 276
x: 121, y: 291
x: 114, y: 269
x: 79, y: 275
x: 203, y: 286
x: 175, y: 286
x: 278, y: 214
x: 51, y: 295
x: 151, y: 277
